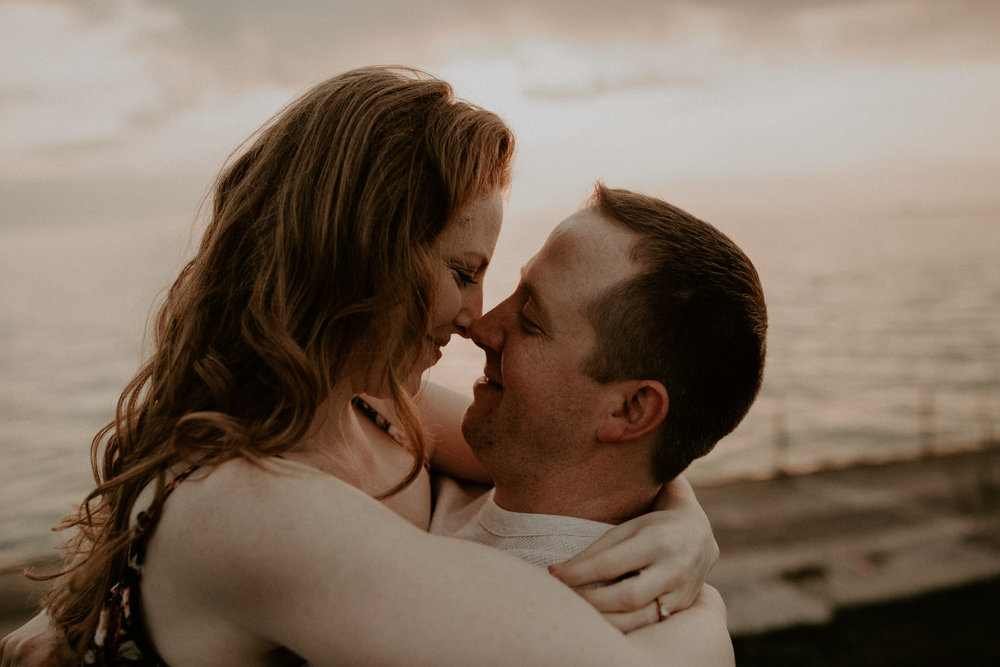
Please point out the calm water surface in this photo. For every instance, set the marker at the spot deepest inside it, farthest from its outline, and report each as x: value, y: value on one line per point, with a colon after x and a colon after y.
x: 878, y: 332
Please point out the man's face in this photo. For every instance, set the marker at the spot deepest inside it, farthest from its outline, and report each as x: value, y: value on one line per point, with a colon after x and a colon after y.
x: 536, y: 407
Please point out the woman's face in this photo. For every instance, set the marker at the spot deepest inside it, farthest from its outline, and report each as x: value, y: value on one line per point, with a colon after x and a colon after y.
x: 462, y: 253
x: 465, y: 249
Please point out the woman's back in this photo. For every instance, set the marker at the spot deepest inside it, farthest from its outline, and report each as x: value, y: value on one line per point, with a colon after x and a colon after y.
x: 176, y: 616
x: 250, y: 558
x: 182, y: 593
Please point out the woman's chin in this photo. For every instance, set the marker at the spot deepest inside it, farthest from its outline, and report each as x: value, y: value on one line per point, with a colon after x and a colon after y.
x: 415, y: 381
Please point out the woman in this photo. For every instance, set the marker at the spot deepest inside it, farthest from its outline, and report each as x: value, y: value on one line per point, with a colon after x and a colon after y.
x: 346, y: 245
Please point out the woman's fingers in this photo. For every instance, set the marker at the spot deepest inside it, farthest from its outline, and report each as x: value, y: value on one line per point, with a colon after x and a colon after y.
x: 633, y: 620
x: 609, y: 558
x: 629, y: 548
x: 642, y: 559
x: 663, y: 555
x: 636, y: 592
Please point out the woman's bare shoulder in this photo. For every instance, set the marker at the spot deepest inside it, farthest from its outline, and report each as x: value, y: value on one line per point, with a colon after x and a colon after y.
x: 246, y: 494
x: 255, y: 518
x: 234, y: 532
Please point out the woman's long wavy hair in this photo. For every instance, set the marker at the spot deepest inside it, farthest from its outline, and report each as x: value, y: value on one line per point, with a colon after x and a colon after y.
x: 321, y: 231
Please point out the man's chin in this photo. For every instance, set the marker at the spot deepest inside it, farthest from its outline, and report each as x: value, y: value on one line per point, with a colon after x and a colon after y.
x: 477, y: 435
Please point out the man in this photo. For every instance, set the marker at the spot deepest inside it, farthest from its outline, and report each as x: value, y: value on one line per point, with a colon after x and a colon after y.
x: 634, y: 342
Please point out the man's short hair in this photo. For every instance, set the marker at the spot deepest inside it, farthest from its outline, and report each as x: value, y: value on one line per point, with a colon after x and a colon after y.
x: 693, y: 318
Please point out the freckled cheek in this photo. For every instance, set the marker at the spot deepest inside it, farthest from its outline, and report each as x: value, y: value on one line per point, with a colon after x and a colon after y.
x: 447, y: 302
x: 526, y: 377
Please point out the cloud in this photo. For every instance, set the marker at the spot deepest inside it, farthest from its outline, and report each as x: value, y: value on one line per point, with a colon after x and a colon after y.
x: 248, y: 42
x: 598, y: 86
x: 96, y: 89
x: 66, y: 80
x: 190, y: 45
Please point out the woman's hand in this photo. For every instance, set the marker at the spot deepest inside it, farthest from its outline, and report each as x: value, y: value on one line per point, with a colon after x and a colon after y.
x: 696, y: 636
x: 657, y: 561
x: 36, y: 643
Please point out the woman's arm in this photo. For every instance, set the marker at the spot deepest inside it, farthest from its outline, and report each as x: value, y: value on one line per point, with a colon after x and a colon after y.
x: 671, y: 548
x: 310, y: 563
x: 305, y: 561
x: 697, y: 636
x: 37, y: 643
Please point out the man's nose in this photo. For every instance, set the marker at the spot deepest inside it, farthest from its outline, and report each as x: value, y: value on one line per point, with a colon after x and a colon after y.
x: 486, y: 331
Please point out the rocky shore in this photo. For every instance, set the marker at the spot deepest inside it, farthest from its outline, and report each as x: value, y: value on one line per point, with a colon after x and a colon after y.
x: 796, y: 549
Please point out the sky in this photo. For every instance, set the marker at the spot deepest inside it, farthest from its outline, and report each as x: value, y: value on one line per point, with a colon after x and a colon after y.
x: 810, y: 111
x: 123, y: 107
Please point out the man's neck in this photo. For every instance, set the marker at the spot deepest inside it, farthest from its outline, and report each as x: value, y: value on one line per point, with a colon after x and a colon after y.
x: 607, y: 503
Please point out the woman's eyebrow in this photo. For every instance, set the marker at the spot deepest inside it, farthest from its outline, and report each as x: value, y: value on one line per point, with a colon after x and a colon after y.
x: 472, y: 259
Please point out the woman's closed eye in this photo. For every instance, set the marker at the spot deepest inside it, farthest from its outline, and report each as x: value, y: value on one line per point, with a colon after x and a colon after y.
x: 463, y: 276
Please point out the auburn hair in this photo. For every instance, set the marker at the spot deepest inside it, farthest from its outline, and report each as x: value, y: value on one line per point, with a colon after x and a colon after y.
x: 321, y: 227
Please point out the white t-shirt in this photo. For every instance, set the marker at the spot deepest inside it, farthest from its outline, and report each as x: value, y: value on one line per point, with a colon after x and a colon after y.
x: 470, y: 513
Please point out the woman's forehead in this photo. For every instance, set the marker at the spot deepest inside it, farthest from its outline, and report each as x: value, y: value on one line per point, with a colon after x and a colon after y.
x: 474, y: 228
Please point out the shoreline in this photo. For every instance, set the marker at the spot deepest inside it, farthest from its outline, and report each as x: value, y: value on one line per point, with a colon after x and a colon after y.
x: 781, y: 471
x: 798, y: 549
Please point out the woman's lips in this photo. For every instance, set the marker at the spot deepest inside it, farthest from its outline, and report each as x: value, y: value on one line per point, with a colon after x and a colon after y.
x: 438, y: 343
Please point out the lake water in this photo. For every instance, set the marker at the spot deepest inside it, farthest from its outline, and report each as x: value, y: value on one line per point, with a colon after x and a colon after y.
x: 885, y: 337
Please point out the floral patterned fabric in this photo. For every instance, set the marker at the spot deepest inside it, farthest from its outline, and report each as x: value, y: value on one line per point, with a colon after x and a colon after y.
x: 120, y: 638
x: 384, y: 424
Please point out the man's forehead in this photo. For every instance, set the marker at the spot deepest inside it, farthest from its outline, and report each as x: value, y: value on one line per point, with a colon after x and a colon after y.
x: 587, y: 235
x: 584, y: 254
x: 561, y: 240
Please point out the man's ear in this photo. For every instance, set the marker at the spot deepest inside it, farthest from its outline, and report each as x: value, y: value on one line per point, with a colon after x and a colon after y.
x: 642, y: 406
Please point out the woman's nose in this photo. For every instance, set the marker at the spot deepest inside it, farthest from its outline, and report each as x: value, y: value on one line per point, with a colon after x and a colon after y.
x: 470, y: 312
